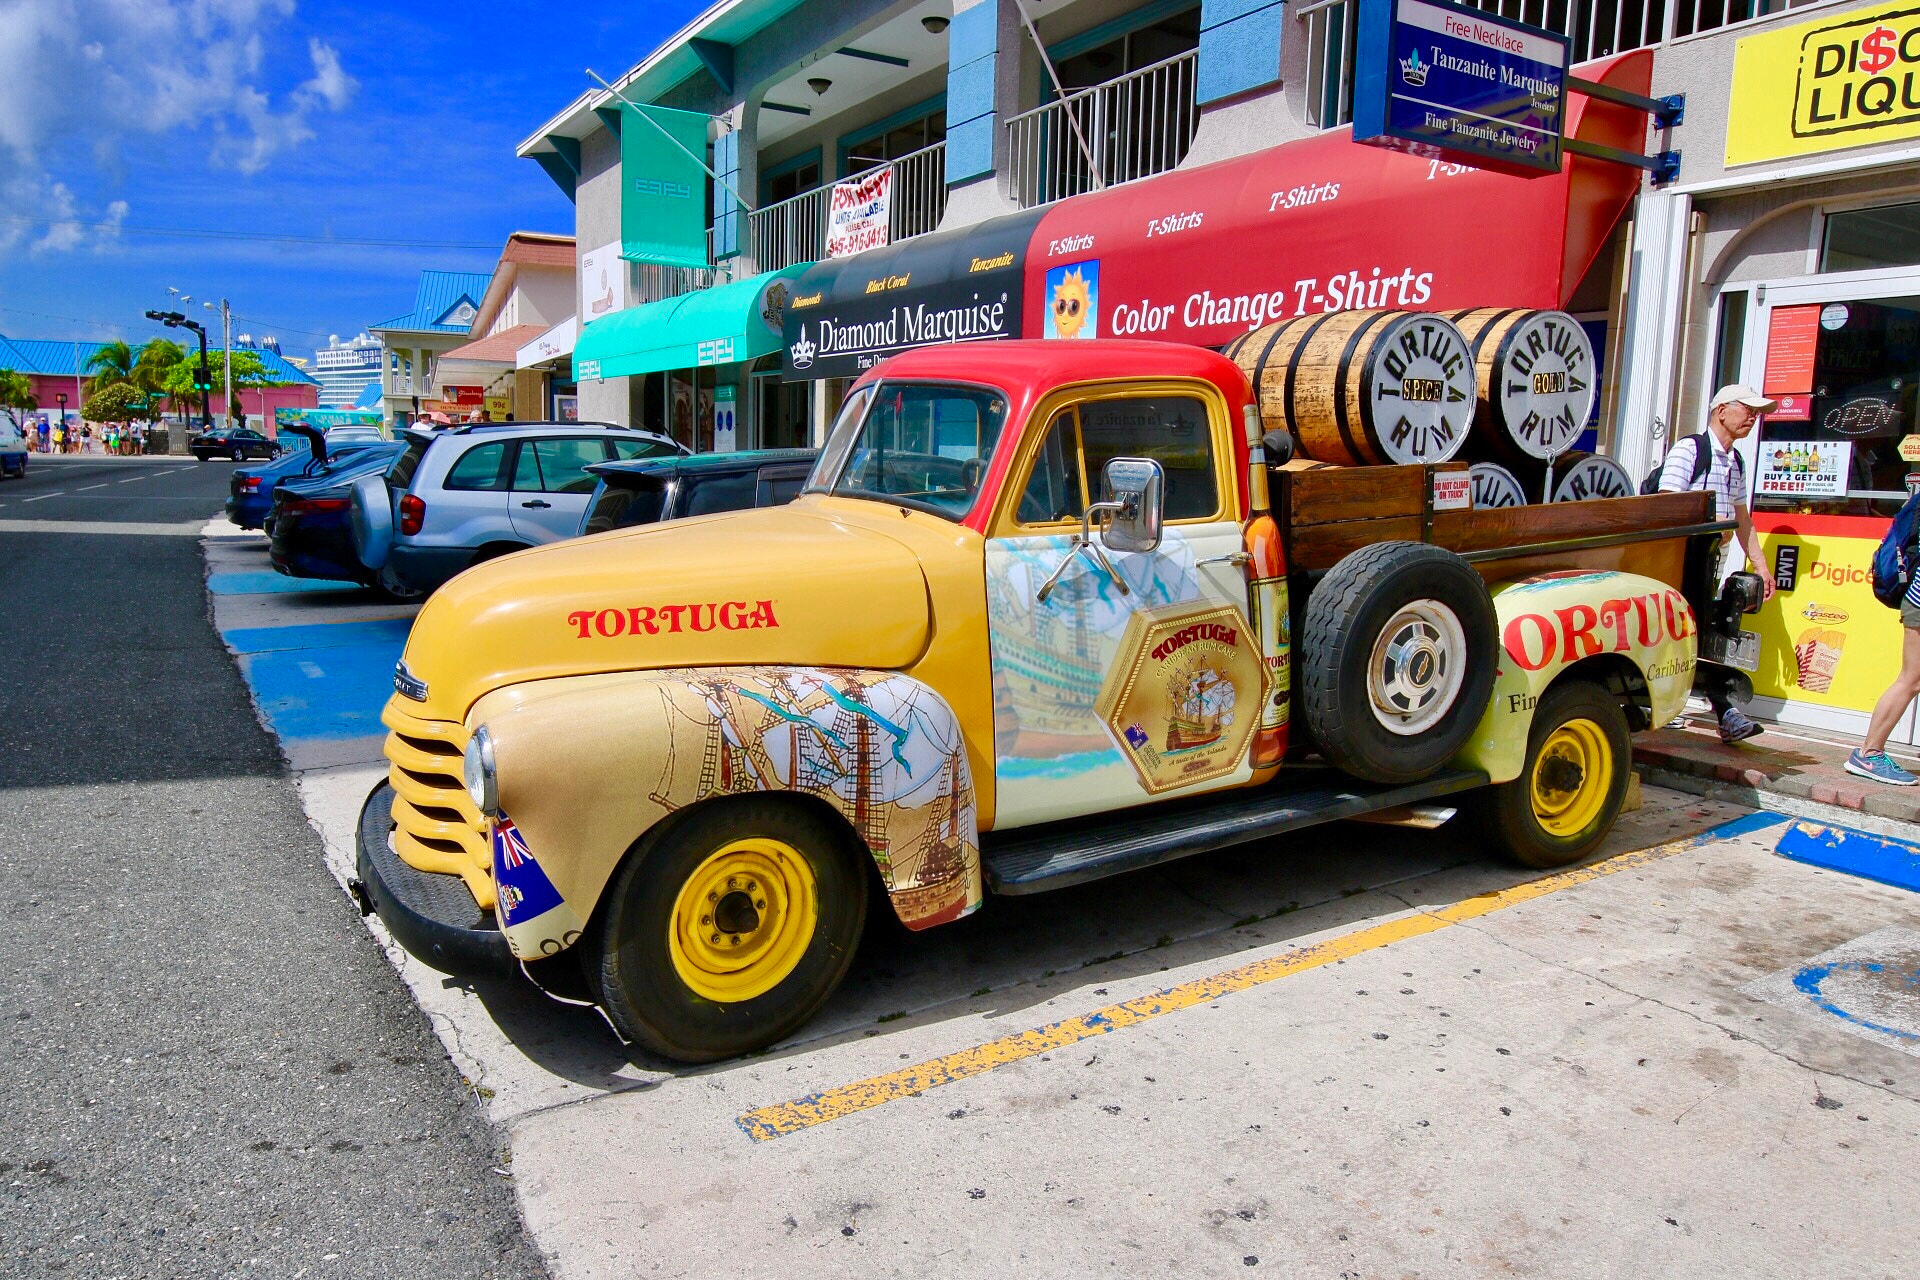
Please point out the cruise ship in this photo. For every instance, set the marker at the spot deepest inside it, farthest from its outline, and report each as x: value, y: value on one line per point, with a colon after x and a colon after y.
x: 345, y: 368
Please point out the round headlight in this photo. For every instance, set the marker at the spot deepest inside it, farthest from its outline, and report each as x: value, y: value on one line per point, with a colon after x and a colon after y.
x: 482, y: 787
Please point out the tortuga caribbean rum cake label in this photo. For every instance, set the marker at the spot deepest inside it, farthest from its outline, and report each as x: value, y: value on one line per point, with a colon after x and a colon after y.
x: 1185, y: 694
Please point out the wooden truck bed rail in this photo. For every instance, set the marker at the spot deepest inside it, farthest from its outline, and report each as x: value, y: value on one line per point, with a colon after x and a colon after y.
x: 1327, y: 512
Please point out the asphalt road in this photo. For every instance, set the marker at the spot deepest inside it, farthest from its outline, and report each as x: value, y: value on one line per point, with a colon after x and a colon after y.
x: 211, y: 1069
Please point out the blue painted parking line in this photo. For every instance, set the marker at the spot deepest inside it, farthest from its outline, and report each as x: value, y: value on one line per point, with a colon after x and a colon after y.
x: 1856, y: 853
x: 270, y: 583
x: 323, y: 693
x: 319, y: 635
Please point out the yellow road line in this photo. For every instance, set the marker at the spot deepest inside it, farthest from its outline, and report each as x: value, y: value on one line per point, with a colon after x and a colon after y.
x: 780, y: 1119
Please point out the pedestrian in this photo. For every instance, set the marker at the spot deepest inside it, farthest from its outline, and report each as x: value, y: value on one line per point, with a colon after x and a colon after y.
x: 1870, y: 759
x: 1709, y: 461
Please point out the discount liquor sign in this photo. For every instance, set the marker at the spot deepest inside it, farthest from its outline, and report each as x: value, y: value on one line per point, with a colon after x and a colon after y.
x: 1452, y: 83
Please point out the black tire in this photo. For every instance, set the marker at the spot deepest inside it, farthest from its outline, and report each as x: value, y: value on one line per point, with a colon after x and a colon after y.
x: 641, y: 989
x: 1440, y: 672
x: 239, y: 454
x: 1507, y: 812
x: 200, y: 455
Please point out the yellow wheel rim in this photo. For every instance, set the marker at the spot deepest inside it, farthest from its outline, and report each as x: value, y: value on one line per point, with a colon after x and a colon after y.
x: 1572, y: 775
x: 743, y: 919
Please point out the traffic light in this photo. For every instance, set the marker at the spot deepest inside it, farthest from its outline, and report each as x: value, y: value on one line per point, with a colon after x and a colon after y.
x: 202, y: 378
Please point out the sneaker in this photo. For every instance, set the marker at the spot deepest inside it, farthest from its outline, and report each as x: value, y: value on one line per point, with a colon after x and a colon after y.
x: 1737, y: 726
x: 1880, y: 767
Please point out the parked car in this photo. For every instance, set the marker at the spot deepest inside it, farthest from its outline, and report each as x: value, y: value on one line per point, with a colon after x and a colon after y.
x: 307, y: 452
x: 13, y: 451
x: 238, y: 443
x: 648, y: 490
x: 456, y: 497
x: 309, y: 528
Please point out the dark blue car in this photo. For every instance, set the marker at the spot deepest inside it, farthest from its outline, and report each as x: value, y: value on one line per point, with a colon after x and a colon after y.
x: 308, y: 525
x: 250, y: 491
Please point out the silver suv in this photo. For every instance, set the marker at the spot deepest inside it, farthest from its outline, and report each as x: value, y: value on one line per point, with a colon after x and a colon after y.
x: 465, y: 494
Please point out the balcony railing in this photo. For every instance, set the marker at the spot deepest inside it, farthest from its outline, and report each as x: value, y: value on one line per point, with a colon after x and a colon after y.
x: 1126, y: 129
x: 1595, y: 29
x: 795, y: 230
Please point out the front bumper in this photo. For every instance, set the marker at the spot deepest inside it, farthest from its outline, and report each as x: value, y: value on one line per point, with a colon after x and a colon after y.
x: 431, y: 914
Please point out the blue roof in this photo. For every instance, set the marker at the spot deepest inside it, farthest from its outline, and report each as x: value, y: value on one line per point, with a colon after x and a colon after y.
x: 437, y: 303
x: 57, y: 358
x: 370, y: 396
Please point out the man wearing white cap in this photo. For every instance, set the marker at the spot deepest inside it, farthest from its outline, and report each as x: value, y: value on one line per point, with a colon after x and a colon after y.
x: 1709, y: 461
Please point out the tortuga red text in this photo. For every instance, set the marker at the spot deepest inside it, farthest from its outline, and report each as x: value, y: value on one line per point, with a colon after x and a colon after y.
x: 1187, y: 635
x: 733, y: 615
x: 1536, y: 640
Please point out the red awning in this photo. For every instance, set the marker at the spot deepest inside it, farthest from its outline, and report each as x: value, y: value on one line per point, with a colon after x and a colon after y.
x: 1326, y: 224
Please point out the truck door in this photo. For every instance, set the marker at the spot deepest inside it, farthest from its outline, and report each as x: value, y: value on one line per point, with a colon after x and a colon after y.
x: 1105, y: 697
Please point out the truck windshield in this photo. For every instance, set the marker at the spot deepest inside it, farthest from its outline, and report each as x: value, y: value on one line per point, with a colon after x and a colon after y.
x: 916, y: 445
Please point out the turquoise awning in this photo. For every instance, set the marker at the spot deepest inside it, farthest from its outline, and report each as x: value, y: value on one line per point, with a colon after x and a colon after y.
x: 721, y: 325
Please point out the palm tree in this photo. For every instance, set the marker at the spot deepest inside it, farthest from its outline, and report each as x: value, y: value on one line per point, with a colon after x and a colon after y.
x: 157, y: 358
x: 16, y: 395
x: 110, y: 364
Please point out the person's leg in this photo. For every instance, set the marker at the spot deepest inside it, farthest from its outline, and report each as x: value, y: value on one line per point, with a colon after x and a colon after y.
x: 1871, y: 760
x: 1893, y: 703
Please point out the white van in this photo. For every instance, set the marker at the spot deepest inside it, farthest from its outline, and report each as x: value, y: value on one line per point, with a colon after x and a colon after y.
x: 13, y: 450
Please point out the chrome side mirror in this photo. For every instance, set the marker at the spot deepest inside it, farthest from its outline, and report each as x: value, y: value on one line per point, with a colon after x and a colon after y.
x: 1135, y: 512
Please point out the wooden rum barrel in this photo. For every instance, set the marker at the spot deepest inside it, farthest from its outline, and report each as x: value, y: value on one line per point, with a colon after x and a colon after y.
x: 1495, y: 486
x: 1535, y: 381
x: 1578, y: 477
x: 1364, y: 387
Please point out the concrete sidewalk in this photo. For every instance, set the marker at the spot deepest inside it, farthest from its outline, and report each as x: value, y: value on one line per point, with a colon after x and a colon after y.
x: 1787, y: 768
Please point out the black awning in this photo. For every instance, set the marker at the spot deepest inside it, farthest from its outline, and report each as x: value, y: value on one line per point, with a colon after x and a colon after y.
x: 848, y: 314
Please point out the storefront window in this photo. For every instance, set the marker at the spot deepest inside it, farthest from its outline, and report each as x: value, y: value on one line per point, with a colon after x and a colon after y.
x: 1861, y: 239
x: 1844, y: 374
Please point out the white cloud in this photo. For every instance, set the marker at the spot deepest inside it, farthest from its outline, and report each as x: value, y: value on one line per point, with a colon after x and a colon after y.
x: 88, y: 75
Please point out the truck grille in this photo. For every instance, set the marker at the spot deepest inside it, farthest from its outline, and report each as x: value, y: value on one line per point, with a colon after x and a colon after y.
x: 435, y: 826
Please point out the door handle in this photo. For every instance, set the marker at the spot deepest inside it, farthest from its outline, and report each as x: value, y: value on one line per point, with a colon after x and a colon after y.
x: 536, y: 503
x: 1237, y: 559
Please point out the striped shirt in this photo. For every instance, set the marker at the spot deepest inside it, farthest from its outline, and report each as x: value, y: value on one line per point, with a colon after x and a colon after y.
x: 1726, y: 477
x: 1913, y: 592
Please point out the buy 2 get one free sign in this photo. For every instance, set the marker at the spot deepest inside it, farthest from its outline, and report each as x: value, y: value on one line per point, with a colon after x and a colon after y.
x: 1846, y: 81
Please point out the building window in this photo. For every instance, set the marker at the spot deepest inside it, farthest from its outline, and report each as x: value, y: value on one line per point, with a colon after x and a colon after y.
x: 898, y: 140
x: 1169, y: 37
x: 794, y: 182
x: 1861, y: 239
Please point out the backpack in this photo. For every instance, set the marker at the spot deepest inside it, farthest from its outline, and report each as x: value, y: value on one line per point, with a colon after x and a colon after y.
x: 1894, y: 560
x: 1702, y: 463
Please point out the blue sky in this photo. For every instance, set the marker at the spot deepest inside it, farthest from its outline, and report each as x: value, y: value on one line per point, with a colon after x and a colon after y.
x: 266, y: 117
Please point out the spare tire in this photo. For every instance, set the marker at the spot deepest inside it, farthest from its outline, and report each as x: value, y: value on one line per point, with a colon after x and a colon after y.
x: 370, y: 520
x: 1397, y: 660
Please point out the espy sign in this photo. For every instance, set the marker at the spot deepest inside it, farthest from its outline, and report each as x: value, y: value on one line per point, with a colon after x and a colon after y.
x: 1451, y: 83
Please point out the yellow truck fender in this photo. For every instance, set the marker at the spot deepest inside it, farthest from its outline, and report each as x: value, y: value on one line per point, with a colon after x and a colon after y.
x: 587, y: 765
x: 1634, y: 635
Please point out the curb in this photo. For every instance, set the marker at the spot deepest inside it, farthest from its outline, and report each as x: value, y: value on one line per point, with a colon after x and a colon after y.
x: 1775, y: 801
x: 1827, y: 787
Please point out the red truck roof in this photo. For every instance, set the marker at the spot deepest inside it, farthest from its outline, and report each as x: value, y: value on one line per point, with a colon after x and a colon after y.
x: 1027, y: 369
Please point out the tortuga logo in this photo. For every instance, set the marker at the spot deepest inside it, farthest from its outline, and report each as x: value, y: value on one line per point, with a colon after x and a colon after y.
x: 1824, y: 613
x: 1535, y: 640
x: 733, y: 615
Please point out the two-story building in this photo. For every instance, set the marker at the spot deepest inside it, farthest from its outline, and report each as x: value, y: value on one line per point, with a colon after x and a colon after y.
x: 1186, y: 171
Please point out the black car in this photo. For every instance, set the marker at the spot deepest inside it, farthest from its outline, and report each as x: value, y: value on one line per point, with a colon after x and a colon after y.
x: 648, y: 490
x: 238, y: 443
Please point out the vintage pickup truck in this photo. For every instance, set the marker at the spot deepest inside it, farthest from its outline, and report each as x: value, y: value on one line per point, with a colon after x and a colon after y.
x: 1046, y: 612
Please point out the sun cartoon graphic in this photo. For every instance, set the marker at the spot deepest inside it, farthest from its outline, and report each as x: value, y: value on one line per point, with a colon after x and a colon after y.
x: 1069, y: 304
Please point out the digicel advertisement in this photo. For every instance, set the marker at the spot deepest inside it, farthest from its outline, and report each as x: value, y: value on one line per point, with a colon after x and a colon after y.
x: 1827, y: 641
x: 1203, y: 255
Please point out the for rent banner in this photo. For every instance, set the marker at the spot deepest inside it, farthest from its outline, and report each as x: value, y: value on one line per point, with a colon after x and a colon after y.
x: 859, y: 214
x: 663, y: 200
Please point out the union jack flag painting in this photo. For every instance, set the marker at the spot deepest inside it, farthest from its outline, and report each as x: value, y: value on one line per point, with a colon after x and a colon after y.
x: 522, y: 889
